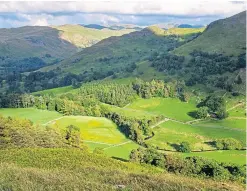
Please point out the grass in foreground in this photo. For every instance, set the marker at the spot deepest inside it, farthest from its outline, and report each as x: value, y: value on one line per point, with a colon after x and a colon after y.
x: 35, y: 115
x: 72, y: 169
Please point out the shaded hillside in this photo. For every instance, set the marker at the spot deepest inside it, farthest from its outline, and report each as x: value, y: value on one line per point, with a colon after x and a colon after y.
x: 25, y: 42
x: 226, y: 36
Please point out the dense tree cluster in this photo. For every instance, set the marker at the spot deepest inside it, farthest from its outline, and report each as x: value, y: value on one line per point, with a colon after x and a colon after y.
x: 192, y: 166
x: 24, y: 65
x: 203, y: 65
x: 228, y: 144
x: 110, y: 93
x: 166, y: 62
x: 136, y: 128
x: 215, y: 105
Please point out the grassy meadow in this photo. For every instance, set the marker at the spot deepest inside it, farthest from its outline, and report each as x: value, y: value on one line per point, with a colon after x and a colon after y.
x: 172, y: 133
x: 97, y: 129
x: 169, y: 107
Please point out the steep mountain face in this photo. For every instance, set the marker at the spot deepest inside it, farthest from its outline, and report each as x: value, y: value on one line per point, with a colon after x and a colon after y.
x: 227, y: 36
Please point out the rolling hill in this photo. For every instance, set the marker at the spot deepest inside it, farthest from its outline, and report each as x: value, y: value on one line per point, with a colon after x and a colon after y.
x: 227, y: 36
x: 119, y: 53
x: 47, y: 45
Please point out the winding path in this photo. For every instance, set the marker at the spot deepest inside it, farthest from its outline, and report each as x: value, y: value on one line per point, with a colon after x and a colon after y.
x: 117, y: 145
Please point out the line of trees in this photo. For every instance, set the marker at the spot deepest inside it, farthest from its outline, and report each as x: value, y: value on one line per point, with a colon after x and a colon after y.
x: 191, y: 166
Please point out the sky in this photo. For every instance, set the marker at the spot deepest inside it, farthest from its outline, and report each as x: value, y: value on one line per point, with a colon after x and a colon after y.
x: 112, y: 12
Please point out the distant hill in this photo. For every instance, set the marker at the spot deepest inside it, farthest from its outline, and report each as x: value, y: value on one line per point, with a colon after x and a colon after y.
x: 125, y: 26
x: 189, y: 26
x: 227, y: 36
x: 84, y: 37
x: 94, y: 26
x: 33, y: 41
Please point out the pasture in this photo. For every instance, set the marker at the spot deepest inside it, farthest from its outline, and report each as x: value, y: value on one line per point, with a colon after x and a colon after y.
x: 231, y: 123
x: 35, y: 115
x: 169, y: 107
x: 95, y: 129
x: 99, y: 132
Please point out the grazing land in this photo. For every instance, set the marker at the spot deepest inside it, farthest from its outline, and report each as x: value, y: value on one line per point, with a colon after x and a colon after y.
x: 96, y: 129
x: 169, y: 107
x: 172, y: 133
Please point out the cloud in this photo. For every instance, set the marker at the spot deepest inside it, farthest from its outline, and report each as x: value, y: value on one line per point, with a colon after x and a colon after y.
x: 142, y: 7
x: 144, y: 12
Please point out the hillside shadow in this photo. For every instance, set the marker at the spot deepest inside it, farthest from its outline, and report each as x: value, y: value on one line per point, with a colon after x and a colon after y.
x: 175, y: 146
x: 192, y: 114
x: 120, y: 159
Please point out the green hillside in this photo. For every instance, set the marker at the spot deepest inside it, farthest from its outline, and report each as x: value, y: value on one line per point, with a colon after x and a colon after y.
x: 226, y: 36
x: 120, y: 54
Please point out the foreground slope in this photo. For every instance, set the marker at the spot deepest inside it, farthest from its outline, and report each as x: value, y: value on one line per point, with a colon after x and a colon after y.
x: 74, y: 169
x: 226, y: 36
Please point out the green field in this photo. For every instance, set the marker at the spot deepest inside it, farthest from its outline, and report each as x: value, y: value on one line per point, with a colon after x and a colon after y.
x: 122, y: 151
x: 99, y: 132
x: 96, y: 129
x: 35, y: 115
x: 169, y: 107
x: 238, y: 157
x: 174, y: 133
